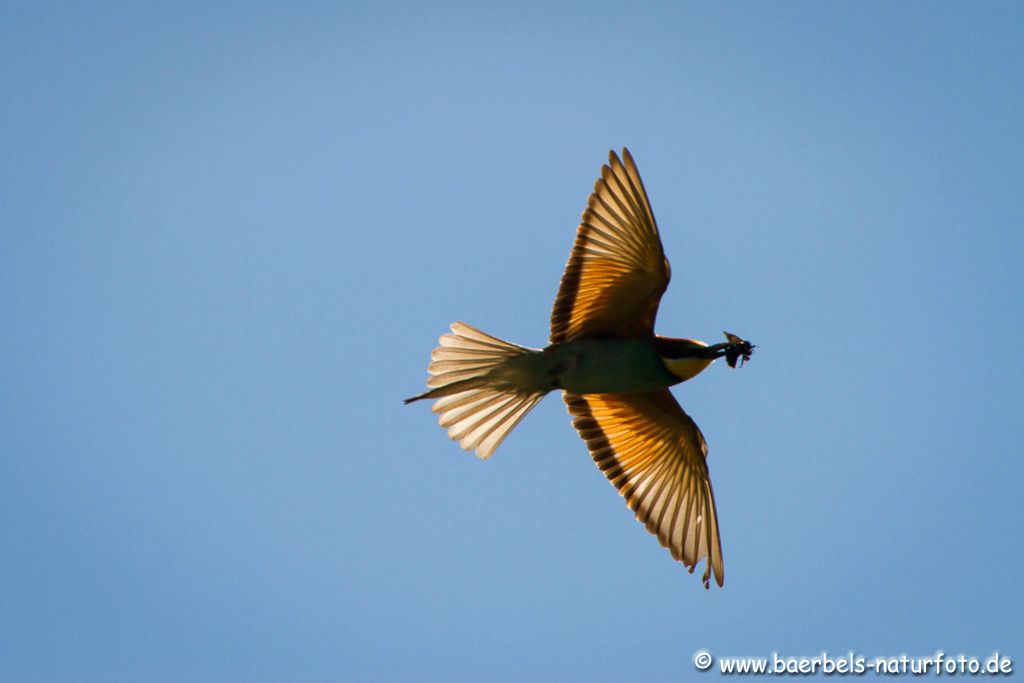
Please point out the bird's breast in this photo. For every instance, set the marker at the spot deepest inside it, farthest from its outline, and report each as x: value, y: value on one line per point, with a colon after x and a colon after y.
x: 601, y: 366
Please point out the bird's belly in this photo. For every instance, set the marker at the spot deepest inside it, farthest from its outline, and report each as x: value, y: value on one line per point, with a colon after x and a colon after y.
x: 601, y: 366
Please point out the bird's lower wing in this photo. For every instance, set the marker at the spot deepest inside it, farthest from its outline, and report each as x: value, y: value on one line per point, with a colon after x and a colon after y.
x: 655, y: 455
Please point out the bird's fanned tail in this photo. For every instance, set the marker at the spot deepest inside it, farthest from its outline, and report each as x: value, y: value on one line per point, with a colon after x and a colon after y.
x: 484, y: 386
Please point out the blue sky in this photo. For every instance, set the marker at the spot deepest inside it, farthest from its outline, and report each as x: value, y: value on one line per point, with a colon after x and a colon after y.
x: 231, y: 235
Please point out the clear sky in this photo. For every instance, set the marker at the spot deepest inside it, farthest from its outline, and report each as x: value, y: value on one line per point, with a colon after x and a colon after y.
x: 230, y: 235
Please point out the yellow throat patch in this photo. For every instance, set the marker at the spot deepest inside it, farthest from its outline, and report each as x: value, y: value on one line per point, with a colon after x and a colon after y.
x: 686, y: 368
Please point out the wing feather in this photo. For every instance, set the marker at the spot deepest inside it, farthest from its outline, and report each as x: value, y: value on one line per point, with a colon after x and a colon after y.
x: 656, y: 457
x: 617, y: 269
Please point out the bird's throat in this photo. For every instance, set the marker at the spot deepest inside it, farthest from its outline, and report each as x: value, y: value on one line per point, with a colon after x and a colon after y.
x: 686, y: 367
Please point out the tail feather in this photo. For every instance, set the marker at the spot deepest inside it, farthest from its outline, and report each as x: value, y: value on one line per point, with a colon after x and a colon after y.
x: 447, y: 390
x: 483, y: 388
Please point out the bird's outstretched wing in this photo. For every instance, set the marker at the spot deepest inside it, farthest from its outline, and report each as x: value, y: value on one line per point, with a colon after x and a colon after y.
x: 655, y: 456
x: 617, y: 270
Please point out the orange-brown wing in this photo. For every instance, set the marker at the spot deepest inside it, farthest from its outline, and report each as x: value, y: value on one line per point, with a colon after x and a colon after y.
x: 617, y: 270
x: 655, y: 456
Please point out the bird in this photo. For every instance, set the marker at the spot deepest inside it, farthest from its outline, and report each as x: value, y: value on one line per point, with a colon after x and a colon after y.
x: 613, y: 370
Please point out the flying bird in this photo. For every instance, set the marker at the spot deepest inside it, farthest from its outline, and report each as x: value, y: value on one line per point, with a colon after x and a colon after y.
x: 613, y: 370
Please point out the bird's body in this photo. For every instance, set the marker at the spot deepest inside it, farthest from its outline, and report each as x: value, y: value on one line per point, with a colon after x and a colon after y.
x: 609, y: 365
x: 614, y: 370
x: 601, y: 366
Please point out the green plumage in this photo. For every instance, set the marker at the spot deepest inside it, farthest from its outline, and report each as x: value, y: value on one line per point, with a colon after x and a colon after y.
x: 596, y: 366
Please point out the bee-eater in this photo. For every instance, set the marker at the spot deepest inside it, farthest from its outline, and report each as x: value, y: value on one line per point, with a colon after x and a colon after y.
x: 613, y: 370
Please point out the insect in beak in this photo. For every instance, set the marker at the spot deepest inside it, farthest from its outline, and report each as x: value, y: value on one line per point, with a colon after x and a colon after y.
x: 737, y: 350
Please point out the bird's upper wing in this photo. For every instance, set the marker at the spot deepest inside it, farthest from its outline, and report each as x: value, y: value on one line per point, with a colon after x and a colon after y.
x: 655, y: 456
x: 617, y: 270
